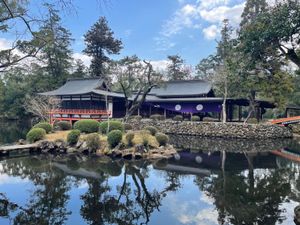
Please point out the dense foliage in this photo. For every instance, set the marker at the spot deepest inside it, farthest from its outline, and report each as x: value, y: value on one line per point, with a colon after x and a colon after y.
x: 93, y: 141
x: 114, y: 137
x: 63, y: 125
x: 44, y: 125
x: 153, y: 130
x: 129, y: 138
x: 73, y: 137
x: 111, y: 125
x: 35, y: 134
x: 87, y: 126
x: 162, y: 139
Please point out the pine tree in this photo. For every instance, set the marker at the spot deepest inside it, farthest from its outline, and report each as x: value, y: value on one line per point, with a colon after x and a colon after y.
x: 100, y: 42
x: 176, y: 68
x: 56, y: 53
x: 252, y: 9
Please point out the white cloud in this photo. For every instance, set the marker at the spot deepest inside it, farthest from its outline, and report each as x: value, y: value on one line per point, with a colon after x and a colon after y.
x: 211, y: 32
x: 185, y: 17
x: 208, y: 4
x: 159, y: 65
x: 218, y: 14
x: 163, y: 43
x: 85, y: 59
x: 5, y: 44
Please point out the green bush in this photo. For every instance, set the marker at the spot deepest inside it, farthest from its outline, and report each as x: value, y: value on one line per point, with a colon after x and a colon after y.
x: 44, y: 125
x: 157, y: 117
x: 73, y: 137
x: 63, y: 125
x: 87, y: 126
x: 153, y: 130
x: 162, y: 139
x: 114, y: 137
x: 127, y: 126
x: 129, y: 137
x: 35, y: 134
x: 93, y: 141
x: 178, y: 118
x: 135, y: 117
x: 113, y: 125
x: 195, y: 118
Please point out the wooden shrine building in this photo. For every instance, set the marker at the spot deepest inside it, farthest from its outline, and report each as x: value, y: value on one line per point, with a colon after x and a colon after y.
x: 92, y: 98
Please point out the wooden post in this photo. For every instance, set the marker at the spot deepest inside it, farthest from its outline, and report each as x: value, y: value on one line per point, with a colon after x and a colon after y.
x: 240, y: 113
x: 165, y: 113
x: 149, y: 110
x: 138, y: 111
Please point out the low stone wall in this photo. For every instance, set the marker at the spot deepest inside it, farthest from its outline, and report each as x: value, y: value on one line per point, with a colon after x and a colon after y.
x: 216, y: 129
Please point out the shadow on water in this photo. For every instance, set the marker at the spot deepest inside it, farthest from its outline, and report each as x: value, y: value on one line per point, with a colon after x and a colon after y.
x: 199, y: 186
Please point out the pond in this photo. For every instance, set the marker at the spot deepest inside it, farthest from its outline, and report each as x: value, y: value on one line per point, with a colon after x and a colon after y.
x: 254, y: 182
x: 191, y: 188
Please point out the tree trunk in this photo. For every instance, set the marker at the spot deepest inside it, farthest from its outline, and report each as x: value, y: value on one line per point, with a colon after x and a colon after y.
x: 251, y: 105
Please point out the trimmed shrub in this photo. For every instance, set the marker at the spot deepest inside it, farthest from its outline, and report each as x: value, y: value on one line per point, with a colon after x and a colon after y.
x: 44, y: 125
x: 209, y: 119
x: 153, y: 130
x: 35, y: 134
x: 127, y: 126
x: 73, y: 137
x: 129, y: 137
x: 178, y: 118
x: 93, y: 141
x: 135, y: 117
x: 162, y: 139
x: 252, y: 121
x: 113, y: 125
x: 157, y: 117
x: 63, y: 125
x: 195, y: 118
x: 87, y: 126
x: 114, y: 137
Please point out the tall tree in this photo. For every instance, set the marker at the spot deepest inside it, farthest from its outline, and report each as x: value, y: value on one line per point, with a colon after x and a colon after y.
x: 252, y: 9
x: 100, y: 43
x: 14, y: 18
x: 205, y: 69
x: 224, y: 71
x: 135, y: 78
x: 176, y: 69
x: 80, y: 69
x: 57, y: 54
x: 274, y: 32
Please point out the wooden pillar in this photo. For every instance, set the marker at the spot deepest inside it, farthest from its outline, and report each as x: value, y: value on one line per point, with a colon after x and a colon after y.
x: 150, y: 110
x: 165, y: 113
x: 138, y: 111
x: 240, y: 113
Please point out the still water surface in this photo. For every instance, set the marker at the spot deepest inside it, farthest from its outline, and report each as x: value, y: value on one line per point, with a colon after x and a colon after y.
x: 257, y: 186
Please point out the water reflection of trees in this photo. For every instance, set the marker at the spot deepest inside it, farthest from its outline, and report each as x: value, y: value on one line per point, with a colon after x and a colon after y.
x: 248, y: 197
x: 129, y: 202
x: 47, y: 203
x: 133, y: 203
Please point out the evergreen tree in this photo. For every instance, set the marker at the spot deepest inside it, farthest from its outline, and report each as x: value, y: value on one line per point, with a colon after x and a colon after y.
x: 80, y: 70
x: 252, y: 9
x: 57, y: 53
x: 176, y: 69
x: 100, y: 43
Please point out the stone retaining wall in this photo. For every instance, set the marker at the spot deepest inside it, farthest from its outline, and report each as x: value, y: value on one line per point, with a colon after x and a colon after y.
x: 216, y: 129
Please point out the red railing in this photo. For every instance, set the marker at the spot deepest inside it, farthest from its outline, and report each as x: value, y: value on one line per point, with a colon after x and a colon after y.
x: 77, y: 114
x: 81, y: 111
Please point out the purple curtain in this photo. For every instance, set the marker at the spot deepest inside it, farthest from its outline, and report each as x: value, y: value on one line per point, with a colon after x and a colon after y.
x: 189, y: 107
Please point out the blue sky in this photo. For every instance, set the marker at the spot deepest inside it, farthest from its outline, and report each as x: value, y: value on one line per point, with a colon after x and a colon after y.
x: 154, y: 29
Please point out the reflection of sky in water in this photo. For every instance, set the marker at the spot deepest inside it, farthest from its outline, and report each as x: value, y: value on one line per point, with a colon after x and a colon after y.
x: 188, y: 205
